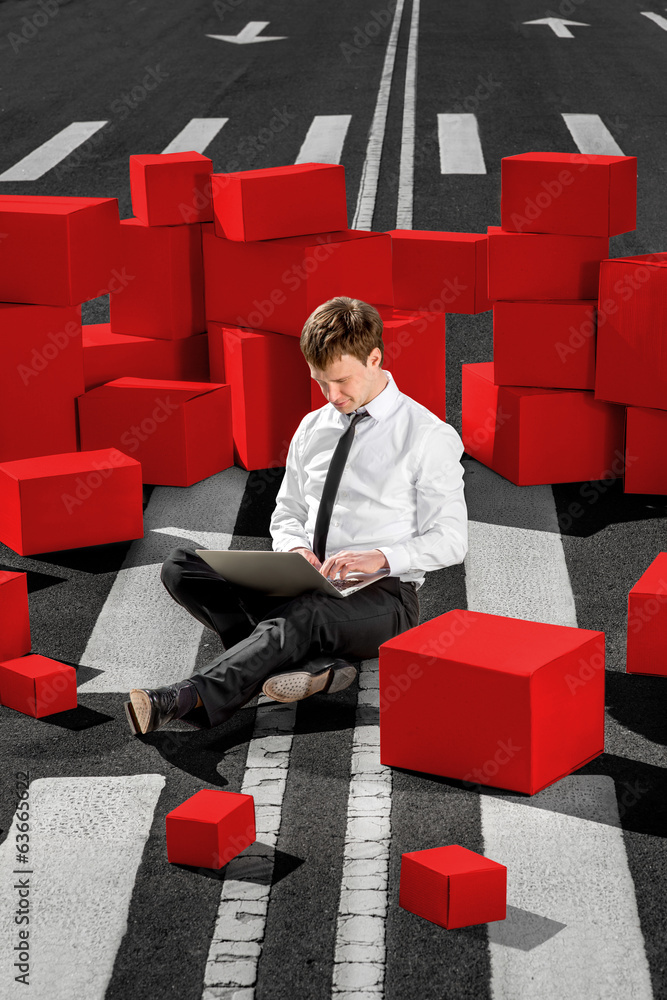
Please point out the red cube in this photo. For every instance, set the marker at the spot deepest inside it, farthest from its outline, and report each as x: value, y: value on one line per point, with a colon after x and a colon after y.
x: 171, y: 189
x: 645, y: 450
x: 582, y: 194
x: 40, y: 377
x: 276, y: 284
x: 647, y: 621
x: 439, y: 271
x: 68, y: 501
x: 107, y: 356
x: 57, y: 251
x: 544, y: 266
x: 14, y: 618
x: 409, y: 338
x: 180, y: 432
x: 275, y: 202
x: 269, y: 385
x: 492, y: 700
x: 545, y: 343
x: 452, y: 886
x: 210, y: 828
x: 163, y: 296
x: 532, y: 435
x: 37, y: 685
x: 631, y: 362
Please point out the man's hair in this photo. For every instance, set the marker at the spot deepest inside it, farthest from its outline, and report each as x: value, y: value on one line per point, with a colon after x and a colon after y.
x: 341, y: 326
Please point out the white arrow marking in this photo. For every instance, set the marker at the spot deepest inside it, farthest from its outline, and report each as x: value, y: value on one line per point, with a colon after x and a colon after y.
x: 249, y: 34
x: 658, y: 18
x: 557, y: 25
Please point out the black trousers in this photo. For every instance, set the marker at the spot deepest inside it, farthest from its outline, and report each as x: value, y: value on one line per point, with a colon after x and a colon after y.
x: 262, y: 635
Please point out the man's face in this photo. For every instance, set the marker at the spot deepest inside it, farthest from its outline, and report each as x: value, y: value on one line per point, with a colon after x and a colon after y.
x: 347, y: 383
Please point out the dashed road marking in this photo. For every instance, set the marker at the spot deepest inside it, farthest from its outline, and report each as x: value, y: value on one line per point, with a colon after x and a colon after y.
x: 52, y: 152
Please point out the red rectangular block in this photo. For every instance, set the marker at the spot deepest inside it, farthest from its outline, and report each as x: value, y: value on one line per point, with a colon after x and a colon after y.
x: 57, y: 251
x: 275, y: 202
x: 180, y: 432
x: 492, y: 700
x: 409, y: 338
x: 107, y: 356
x: 210, y: 828
x: 14, y: 617
x: 40, y: 377
x: 276, y: 284
x: 549, y: 344
x: 171, y: 189
x: 270, y: 391
x: 645, y: 450
x: 452, y: 886
x: 544, y: 266
x: 630, y: 360
x: 583, y: 194
x: 532, y: 435
x: 56, y: 502
x: 37, y: 685
x: 163, y: 294
x: 647, y: 621
x: 439, y: 271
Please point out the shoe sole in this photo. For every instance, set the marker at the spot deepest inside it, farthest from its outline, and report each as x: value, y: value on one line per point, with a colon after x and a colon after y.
x: 301, y: 684
x: 140, y: 709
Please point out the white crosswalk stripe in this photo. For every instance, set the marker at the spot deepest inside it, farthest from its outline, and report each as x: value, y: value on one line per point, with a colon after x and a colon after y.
x: 592, y: 135
x: 460, y: 146
x: 325, y: 139
x: 52, y: 152
x: 197, y: 135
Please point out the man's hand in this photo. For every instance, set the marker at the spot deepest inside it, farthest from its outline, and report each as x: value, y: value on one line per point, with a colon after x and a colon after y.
x: 309, y: 554
x: 353, y: 562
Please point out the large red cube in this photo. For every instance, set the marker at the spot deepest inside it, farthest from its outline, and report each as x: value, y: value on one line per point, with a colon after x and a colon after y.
x: 409, y: 337
x: 645, y: 450
x: 14, y: 618
x: 210, y: 828
x: 40, y: 377
x: 492, y: 700
x: 163, y: 294
x: 276, y: 284
x: 68, y: 501
x: 532, y: 435
x: 275, y: 202
x: 631, y: 362
x: 647, y: 621
x: 452, y: 886
x: 37, y: 685
x: 180, y: 432
x: 440, y: 271
x: 544, y: 266
x: 270, y: 391
x: 57, y: 251
x: 582, y: 194
x: 107, y: 356
x: 171, y: 189
x: 550, y: 344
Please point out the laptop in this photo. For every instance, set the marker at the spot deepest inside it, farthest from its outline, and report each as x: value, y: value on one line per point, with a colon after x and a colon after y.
x: 282, y: 574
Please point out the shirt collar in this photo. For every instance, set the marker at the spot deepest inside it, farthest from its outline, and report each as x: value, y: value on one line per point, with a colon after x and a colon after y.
x: 382, y: 404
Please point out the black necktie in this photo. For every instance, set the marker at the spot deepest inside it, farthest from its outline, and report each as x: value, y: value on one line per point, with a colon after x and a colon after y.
x: 331, y: 483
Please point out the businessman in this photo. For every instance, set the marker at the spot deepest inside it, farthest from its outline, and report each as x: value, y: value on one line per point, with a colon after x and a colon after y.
x: 373, y: 480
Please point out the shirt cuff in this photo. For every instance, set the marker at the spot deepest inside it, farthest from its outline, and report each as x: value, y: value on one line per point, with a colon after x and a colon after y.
x: 288, y: 542
x: 398, y: 560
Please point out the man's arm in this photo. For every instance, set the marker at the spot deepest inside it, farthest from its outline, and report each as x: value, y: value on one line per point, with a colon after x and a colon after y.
x: 287, y: 526
x: 442, y: 516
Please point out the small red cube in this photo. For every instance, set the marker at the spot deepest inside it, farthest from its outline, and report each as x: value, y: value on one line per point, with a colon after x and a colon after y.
x: 37, y: 685
x: 453, y: 887
x: 647, y: 621
x: 14, y: 620
x: 210, y: 828
x: 171, y: 189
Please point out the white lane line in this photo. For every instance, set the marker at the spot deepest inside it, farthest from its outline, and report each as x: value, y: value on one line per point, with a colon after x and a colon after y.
x: 87, y: 838
x: 363, y: 216
x: 236, y: 943
x: 406, y: 174
x: 142, y: 637
x: 196, y: 136
x: 566, y: 863
x: 359, y: 959
x: 460, y: 145
x: 592, y: 135
x: 50, y: 153
x: 658, y: 18
x: 325, y: 139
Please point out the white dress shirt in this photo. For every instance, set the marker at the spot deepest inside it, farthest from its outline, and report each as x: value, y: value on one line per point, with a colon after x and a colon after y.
x: 401, y: 490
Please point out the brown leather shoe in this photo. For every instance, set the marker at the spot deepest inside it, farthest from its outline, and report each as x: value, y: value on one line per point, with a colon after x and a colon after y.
x: 324, y: 675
